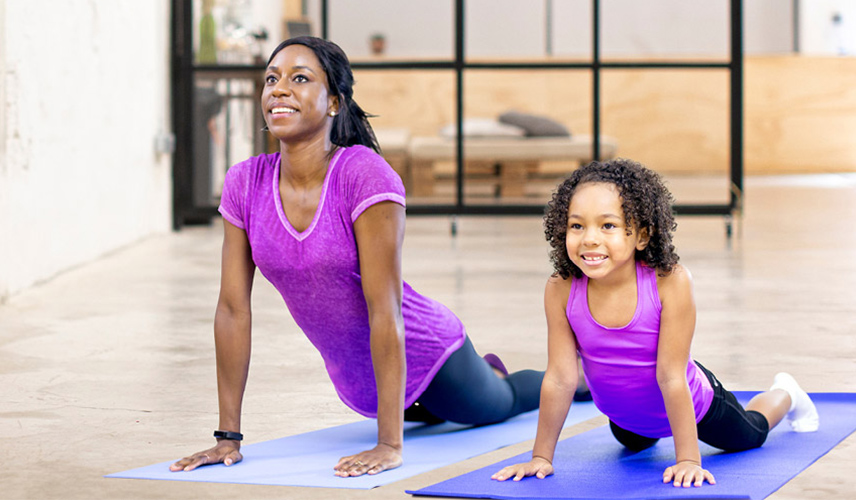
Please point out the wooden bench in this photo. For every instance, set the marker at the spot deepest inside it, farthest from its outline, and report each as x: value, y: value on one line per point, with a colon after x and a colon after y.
x: 395, y: 144
x: 509, y: 160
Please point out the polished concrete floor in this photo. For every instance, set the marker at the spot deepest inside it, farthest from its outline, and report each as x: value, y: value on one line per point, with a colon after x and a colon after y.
x: 110, y: 366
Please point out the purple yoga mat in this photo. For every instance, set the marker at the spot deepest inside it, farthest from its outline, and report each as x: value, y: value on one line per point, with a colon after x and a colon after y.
x: 593, y: 466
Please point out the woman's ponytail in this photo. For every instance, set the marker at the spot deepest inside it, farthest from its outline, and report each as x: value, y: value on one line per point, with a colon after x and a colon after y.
x: 351, y: 126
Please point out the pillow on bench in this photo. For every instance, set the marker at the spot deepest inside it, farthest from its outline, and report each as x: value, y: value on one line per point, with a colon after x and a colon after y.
x: 535, y: 126
x: 483, y: 127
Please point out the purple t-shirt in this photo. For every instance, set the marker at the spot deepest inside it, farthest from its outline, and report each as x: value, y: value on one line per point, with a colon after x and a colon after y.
x: 317, y: 271
x: 620, y: 364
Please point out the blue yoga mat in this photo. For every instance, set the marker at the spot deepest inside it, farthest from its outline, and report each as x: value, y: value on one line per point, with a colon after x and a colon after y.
x: 308, y: 459
x: 593, y: 465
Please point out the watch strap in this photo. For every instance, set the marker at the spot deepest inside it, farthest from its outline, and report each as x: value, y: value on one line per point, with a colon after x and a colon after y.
x: 234, y: 436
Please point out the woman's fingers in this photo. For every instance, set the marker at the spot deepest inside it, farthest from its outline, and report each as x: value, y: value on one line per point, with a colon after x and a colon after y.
x: 227, y: 453
x: 233, y: 458
x: 187, y: 464
x: 368, y: 462
x: 353, y: 467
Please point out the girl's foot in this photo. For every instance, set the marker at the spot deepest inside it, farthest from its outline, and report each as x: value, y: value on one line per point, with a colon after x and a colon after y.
x: 802, y: 414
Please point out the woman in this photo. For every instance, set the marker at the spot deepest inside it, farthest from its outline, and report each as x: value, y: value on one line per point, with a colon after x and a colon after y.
x: 323, y: 220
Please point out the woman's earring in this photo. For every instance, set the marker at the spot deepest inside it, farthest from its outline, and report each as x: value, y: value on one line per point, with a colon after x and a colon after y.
x: 332, y: 113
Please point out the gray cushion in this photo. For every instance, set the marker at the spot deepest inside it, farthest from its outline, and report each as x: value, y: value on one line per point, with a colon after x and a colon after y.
x: 483, y: 127
x: 535, y: 126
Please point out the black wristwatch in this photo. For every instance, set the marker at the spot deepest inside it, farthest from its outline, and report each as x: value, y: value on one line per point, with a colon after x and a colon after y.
x: 234, y: 436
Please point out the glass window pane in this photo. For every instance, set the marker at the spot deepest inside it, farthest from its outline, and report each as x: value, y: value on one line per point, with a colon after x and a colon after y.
x: 235, y: 31
x: 682, y: 29
x: 571, y: 28
x: 411, y: 106
x: 514, y: 152
x: 396, y: 29
x: 768, y: 27
x: 227, y: 128
x: 675, y: 122
x: 505, y: 29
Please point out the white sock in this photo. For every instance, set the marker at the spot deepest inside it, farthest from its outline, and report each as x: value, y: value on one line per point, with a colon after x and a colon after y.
x: 802, y: 414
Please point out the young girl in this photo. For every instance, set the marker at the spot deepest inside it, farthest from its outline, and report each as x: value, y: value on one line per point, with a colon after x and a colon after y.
x: 620, y: 299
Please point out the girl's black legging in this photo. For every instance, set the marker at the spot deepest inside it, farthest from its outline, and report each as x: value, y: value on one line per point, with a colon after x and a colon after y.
x: 466, y: 390
x: 726, y: 425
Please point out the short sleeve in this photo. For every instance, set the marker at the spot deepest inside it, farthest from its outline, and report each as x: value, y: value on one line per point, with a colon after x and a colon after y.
x: 233, y: 199
x: 368, y: 179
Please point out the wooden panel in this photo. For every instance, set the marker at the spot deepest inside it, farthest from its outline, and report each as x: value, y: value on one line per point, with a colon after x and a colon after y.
x: 674, y: 121
x: 564, y: 96
x: 422, y: 101
x: 800, y: 112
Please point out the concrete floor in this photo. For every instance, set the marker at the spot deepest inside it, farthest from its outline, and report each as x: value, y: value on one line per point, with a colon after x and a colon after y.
x: 110, y: 366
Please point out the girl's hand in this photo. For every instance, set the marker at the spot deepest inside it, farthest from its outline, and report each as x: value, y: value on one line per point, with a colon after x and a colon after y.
x: 380, y: 458
x: 225, y: 451
x: 687, y: 473
x: 538, y: 467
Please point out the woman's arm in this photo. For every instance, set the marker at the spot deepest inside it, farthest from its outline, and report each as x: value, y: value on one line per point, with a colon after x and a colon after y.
x: 232, y: 343
x: 677, y: 324
x: 557, y: 389
x: 380, y: 234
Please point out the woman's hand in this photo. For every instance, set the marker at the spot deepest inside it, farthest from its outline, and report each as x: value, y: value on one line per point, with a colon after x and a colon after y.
x: 687, y: 473
x: 225, y: 451
x: 380, y: 458
x: 538, y: 467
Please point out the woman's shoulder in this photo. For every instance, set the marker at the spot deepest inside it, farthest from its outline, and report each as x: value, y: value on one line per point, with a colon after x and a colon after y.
x: 254, y: 166
x: 360, y: 165
x: 359, y: 156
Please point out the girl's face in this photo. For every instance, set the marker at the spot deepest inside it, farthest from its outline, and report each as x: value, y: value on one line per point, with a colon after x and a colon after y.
x: 295, y: 100
x: 597, y: 240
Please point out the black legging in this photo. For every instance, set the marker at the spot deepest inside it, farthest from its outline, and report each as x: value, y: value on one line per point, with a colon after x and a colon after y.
x: 466, y: 390
x: 726, y: 425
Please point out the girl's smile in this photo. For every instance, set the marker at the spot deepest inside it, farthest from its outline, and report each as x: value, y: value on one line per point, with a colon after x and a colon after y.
x: 598, y: 240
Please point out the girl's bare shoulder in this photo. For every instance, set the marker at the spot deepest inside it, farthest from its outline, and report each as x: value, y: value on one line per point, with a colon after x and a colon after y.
x: 678, y: 281
x: 558, y: 288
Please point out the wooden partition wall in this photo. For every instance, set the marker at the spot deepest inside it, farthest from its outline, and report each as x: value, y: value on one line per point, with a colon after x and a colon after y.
x: 800, y: 112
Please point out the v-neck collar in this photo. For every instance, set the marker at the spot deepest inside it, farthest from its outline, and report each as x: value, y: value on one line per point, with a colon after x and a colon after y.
x: 302, y: 235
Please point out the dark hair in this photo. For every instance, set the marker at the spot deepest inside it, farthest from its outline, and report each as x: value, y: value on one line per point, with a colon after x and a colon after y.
x: 644, y: 199
x: 351, y: 124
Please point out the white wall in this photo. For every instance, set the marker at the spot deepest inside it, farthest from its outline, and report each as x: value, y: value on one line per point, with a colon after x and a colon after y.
x: 86, y: 91
x: 820, y: 35
x: 413, y: 28
x: 4, y: 113
x: 509, y: 28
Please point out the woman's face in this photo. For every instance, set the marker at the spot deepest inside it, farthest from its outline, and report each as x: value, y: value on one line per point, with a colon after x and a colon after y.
x: 296, y: 102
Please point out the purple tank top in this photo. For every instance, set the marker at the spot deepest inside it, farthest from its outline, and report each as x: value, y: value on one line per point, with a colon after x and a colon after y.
x: 620, y: 364
x: 317, y: 271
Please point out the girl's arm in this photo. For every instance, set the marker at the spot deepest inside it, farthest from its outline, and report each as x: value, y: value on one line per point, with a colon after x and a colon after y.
x: 380, y: 233
x: 557, y: 389
x: 232, y: 338
x: 677, y: 324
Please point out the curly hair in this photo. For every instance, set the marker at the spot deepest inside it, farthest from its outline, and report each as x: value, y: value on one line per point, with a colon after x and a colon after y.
x: 644, y: 199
